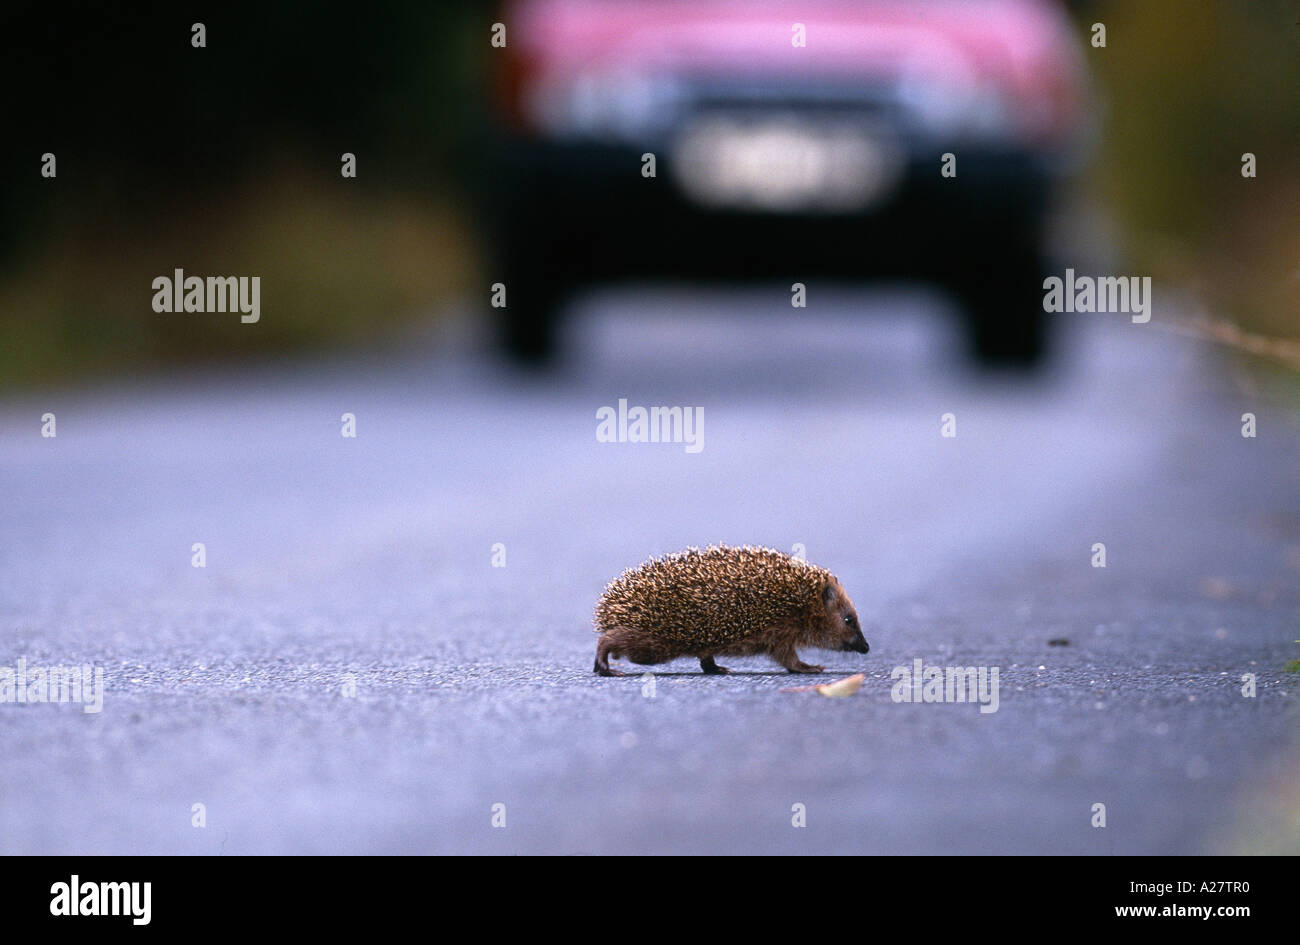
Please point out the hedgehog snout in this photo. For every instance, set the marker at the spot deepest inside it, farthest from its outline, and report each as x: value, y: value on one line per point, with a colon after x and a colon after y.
x: 858, y: 644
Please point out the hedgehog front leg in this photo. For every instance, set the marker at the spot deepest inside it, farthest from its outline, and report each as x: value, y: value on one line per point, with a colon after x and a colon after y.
x: 788, y: 658
x: 711, y: 668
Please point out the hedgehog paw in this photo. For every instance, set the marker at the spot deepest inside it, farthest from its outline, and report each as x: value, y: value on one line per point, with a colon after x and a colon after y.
x: 711, y: 668
x: 806, y: 668
x: 605, y: 670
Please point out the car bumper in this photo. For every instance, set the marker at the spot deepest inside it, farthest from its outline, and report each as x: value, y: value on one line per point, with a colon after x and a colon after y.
x: 590, y: 206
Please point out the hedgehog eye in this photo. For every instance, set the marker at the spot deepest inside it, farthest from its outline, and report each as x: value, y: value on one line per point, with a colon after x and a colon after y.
x: 851, y: 620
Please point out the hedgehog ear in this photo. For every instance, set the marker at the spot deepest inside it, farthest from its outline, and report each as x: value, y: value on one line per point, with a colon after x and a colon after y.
x: 828, y: 594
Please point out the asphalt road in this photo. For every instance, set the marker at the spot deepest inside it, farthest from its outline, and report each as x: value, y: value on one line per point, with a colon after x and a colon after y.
x: 329, y: 556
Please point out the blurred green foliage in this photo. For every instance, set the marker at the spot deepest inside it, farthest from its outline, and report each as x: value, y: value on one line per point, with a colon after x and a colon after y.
x: 225, y: 160
x: 336, y: 267
x: 1190, y: 86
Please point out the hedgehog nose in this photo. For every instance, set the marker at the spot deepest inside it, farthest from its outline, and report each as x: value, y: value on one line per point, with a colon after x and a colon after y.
x: 858, y: 644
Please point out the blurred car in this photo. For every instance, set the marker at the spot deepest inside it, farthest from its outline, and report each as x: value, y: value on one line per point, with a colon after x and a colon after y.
x: 913, y: 139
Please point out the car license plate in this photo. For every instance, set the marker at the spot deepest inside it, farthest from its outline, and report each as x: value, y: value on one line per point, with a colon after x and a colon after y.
x: 783, y: 165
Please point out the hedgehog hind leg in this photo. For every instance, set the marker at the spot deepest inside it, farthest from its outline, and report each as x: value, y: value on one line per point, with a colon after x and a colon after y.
x: 633, y: 644
x: 711, y: 668
x: 606, y: 648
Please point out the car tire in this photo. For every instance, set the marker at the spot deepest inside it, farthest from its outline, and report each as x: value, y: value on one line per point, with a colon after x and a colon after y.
x: 529, y: 324
x: 1005, y: 324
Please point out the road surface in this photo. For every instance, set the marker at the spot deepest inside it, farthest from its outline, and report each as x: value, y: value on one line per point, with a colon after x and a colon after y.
x: 366, y: 563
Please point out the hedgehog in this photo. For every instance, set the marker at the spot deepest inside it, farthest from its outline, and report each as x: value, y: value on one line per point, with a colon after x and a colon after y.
x: 724, y: 601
